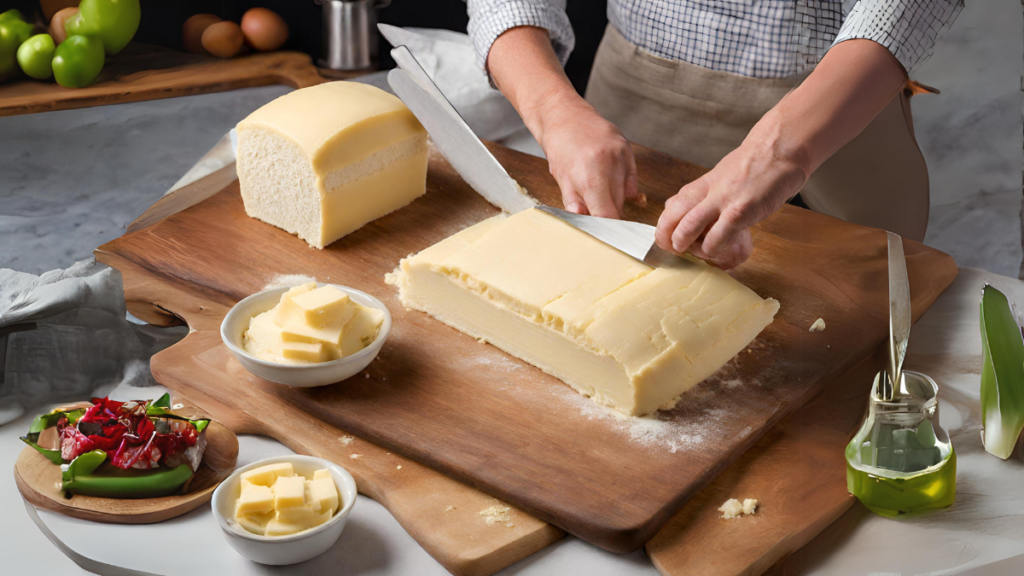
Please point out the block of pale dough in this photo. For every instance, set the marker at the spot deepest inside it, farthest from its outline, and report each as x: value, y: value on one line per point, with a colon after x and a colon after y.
x: 629, y: 336
x: 322, y: 161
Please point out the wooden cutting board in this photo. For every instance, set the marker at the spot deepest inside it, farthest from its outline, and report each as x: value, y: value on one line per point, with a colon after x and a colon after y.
x: 472, y: 412
x: 797, y: 472
x: 145, y: 72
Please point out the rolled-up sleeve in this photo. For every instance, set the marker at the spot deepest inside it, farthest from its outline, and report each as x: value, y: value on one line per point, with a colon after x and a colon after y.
x: 907, y: 28
x: 489, y: 19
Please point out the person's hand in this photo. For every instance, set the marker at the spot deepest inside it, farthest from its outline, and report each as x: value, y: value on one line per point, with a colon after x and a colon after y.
x: 711, y: 216
x: 589, y: 158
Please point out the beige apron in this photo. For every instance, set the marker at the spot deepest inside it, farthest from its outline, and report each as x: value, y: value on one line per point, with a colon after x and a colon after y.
x: 879, y: 179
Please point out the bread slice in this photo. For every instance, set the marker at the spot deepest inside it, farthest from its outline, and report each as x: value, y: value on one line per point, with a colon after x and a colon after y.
x: 323, y: 161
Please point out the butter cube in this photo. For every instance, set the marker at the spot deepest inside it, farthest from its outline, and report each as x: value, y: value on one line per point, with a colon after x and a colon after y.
x: 305, y: 351
x: 323, y: 494
x: 324, y: 306
x: 298, y: 331
x: 278, y: 527
x: 289, y: 492
x: 361, y: 330
x: 321, y: 473
x: 286, y: 308
x: 267, y: 475
x: 254, y: 498
x: 255, y: 523
x: 298, y: 515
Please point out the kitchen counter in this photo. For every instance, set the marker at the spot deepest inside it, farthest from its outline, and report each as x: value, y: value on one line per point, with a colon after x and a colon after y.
x: 72, y: 180
x: 983, y: 531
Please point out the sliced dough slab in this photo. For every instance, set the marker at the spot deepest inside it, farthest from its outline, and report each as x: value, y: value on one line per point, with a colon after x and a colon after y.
x: 629, y: 336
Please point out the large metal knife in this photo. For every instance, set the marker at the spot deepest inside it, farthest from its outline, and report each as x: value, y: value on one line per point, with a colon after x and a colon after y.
x: 899, y: 317
x: 482, y: 171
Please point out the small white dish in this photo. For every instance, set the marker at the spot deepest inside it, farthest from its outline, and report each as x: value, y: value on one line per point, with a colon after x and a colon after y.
x: 299, y: 375
x: 295, y: 548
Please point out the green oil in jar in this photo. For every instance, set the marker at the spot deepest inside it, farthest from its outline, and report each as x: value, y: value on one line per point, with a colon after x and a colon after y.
x: 901, y: 461
x: 893, y: 495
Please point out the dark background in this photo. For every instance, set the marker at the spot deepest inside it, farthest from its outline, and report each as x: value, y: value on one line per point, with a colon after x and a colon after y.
x: 162, y: 20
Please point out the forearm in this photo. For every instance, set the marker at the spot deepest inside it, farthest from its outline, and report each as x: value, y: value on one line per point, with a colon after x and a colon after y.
x: 848, y: 88
x: 524, y: 67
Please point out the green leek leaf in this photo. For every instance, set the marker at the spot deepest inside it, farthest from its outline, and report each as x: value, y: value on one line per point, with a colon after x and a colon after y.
x: 1002, y: 374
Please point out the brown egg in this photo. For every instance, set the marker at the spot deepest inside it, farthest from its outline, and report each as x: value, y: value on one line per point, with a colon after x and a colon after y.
x: 57, y: 24
x: 264, y: 29
x: 223, y: 39
x: 192, y: 32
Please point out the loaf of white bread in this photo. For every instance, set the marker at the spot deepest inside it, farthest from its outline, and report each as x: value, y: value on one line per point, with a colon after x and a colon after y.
x: 323, y: 161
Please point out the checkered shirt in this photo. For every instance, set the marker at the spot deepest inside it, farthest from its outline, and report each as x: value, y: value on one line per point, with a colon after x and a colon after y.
x: 756, y: 38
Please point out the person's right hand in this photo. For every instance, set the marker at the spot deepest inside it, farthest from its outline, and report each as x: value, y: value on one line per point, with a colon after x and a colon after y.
x: 588, y: 156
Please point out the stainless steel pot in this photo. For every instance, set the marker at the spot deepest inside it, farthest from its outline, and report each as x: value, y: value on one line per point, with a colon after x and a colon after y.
x: 349, y: 33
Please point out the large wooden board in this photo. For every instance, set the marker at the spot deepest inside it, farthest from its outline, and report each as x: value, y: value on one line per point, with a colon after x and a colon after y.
x: 145, y: 72
x: 797, y: 471
x: 482, y: 417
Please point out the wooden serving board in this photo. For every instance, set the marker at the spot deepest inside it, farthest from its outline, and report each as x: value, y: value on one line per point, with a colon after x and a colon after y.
x: 472, y: 412
x: 145, y: 72
x: 38, y: 480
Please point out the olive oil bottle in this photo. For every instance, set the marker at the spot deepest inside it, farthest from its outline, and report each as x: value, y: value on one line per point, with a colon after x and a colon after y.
x: 901, y: 461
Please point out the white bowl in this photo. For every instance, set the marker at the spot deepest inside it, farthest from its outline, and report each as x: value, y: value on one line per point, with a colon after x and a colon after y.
x: 299, y: 375
x: 295, y: 548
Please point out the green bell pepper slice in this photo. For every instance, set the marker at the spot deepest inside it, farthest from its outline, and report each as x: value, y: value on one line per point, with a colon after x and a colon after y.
x: 114, y: 22
x: 78, y: 61
x: 51, y: 455
x: 108, y: 481
x: 35, y: 56
x: 83, y: 465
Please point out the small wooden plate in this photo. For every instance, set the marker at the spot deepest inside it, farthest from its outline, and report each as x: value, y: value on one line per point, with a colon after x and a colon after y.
x: 38, y: 480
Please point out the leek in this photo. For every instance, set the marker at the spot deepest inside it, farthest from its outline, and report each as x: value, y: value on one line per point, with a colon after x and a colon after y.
x: 1002, y: 374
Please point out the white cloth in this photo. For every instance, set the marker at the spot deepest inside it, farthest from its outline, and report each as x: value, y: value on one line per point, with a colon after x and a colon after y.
x: 760, y: 39
x: 448, y: 58
x: 64, y: 336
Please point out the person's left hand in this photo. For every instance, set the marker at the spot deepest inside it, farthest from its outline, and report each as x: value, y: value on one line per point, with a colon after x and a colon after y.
x: 711, y: 216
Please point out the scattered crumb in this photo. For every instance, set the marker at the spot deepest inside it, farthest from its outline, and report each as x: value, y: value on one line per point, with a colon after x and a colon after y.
x: 354, y: 456
x: 346, y: 440
x: 399, y: 467
x: 177, y: 406
x: 287, y: 280
x: 367, y: 374
x: 449, y: 508
x: 733, y: 508
x: 496, y: 513
x: 818, y: 325
x: 510, y: 525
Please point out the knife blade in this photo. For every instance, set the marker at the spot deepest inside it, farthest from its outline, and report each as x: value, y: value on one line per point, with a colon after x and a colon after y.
x: 453, y: 137
x: 899, y: 315
x: 482, y: 171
